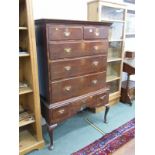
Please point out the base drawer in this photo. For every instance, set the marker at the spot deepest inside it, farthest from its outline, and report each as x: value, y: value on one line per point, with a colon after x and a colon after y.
x: 100, y: 100
x: 59, y: 114
x: 60, y: 111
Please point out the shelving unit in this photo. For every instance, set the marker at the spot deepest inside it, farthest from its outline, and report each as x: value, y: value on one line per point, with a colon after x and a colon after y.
x: 22, y: 28
x: 24, y: 90
x: 100, y: 10
x: 24, y: 54
x: 30, y: 133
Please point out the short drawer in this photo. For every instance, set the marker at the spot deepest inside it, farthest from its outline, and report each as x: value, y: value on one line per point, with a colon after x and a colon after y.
x: 65, y: 89
x: 80, y: 104
x: 100, y: 100
x: 64, y: 32
x: 59, y: 114
x: 91, y: 32
x: 77, y: 49
x: 77, y: 67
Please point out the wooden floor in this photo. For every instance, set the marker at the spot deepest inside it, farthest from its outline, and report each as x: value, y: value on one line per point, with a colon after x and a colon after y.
x: 127, y: 149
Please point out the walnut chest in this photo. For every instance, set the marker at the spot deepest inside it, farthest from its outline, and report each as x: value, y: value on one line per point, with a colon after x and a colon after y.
x: 72, y: 59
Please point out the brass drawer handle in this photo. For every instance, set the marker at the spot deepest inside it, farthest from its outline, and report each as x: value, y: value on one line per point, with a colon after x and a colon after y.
x: 98, y: 103
x: 97, y: 33
x: 96, y: 48
x: 94, y: 81
x: 90, y: 30
x: 68, y: 88
x: 67, y: 68
x: 66, y: 33
x: 95, y: 63
x: 61, y: 111
x: 67, y: 50
x: 103, y: 97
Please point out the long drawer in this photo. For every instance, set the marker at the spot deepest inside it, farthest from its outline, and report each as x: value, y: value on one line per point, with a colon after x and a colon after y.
x: 64, y: 32
x: 62, y: 112
x: 61, y: 50
x: 77, y: 67
x: 65, y: 89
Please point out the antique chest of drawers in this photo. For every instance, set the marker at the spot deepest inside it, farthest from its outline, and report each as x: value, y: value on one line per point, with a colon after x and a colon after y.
x: 72, y: 59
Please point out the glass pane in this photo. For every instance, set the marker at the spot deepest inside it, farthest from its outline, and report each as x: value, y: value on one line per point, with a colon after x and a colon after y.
x: 109, y: 13
x: 115, y: 49
x: 130, y: 22
x: 116, y: 31
x: 113, y: 69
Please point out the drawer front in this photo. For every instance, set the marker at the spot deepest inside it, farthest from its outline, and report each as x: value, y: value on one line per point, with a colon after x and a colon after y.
x: 66, y: 89
x: 95, y: 32
x: 78, y: 106
x: 100, y: 100
x: 76, y: 49
x: 77, y: 67
x: 81, y: 104
x: 65, y: 32
x: 59, y: 114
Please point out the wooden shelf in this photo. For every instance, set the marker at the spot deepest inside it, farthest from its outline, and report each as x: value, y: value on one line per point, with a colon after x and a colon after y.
x: 23, y: 28
x: 112, y: 20
x: 24, y: 55
x: 114, y: 95
x: 26, y: 118
x: 25, y: 90
x: 116, y: 40
x: 114, y: 59
x: 21, y: 124
x: 112, y: 78
x: 28, y: 77
x: 26, y: 140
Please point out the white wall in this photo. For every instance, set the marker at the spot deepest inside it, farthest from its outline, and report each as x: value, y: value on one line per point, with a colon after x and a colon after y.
x: 69, y: 9
x: 64, y: 9
x: 60, y: 9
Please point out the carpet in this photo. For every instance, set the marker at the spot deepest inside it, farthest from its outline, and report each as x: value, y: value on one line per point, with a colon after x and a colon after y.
x: 111, y: 141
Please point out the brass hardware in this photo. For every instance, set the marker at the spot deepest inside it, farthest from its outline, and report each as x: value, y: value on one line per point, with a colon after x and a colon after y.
x: 97, y: 33
x: 61, y: 111
x: 95, y: 63
x: 94, y: 81
x: 90, y: 30
x: 96, y: 48
x: 102, y: 97
x: 68, y: 88
x: 66, y: 33
x: 67, y: 68
x: 67, y: 50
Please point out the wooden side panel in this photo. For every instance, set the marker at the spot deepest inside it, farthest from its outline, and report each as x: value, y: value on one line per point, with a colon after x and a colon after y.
x: 92, y: 11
